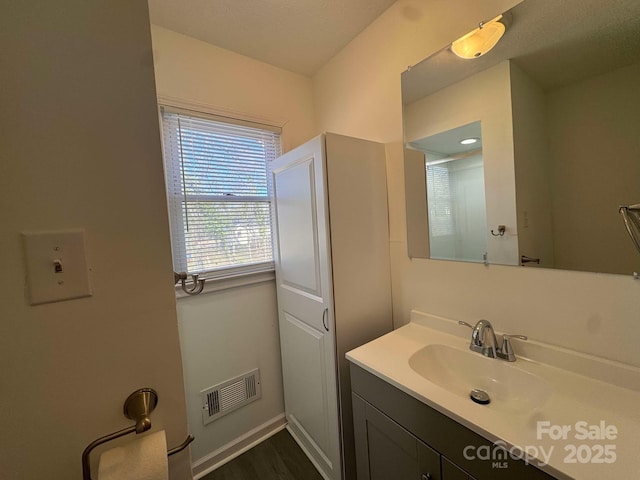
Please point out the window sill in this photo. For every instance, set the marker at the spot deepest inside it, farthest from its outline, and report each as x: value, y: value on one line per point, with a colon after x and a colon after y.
x: 216, y: 284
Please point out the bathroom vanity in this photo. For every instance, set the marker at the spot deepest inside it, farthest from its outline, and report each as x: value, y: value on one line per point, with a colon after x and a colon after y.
x: 399, y: 437
x: 553, y: 413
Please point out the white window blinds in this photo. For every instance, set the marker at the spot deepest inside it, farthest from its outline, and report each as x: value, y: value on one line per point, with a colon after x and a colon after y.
x: 218, y: 192
x: 441, y: 201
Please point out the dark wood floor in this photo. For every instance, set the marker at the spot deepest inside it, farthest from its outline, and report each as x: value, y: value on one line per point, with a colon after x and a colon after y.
x: 277, y: 458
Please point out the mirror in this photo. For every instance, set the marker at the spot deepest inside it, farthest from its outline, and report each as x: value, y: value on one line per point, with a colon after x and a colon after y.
x: 558, y: 105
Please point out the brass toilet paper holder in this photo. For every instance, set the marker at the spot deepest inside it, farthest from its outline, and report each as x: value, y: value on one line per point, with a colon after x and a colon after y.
x: 138, y: 406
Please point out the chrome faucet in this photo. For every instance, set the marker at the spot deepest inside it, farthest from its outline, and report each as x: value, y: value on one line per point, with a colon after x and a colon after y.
x: 483, y: 340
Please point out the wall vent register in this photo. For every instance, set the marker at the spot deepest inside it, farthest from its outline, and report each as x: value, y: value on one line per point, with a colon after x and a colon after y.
x: 230, y: 395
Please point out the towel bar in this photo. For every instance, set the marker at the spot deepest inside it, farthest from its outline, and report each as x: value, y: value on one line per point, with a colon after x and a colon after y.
x: 137, y: 406
x: 182, y: 446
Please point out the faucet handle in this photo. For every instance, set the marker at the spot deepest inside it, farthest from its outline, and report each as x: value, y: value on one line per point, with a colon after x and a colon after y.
x: 506, y: 350
x: 460, y: 322
x: 507, y: 336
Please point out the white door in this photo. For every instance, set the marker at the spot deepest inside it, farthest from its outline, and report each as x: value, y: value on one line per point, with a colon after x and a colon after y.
x: 303, y: 277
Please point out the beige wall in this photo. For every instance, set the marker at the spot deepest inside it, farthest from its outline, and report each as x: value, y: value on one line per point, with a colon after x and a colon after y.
x: 593, y: 132
x: 80, y: 148
x: 227, y: 333
x: 577, y: 162
x: 533, y: 180
x: 207, y: 76
x: 358, y: 93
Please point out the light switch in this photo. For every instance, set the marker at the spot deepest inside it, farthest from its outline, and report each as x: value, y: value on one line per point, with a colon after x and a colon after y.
x: 56, y: 266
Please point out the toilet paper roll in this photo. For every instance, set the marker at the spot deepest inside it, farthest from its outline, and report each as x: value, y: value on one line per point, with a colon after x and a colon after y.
x: 144, y: 458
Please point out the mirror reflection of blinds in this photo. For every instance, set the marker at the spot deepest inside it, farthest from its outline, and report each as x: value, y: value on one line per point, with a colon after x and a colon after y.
x: 218, y: 192
x: 440, y: 201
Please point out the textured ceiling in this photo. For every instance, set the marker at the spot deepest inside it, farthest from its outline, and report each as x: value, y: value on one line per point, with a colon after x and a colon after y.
x: 297, y: 35
x: 555, y: 42
x: 448, y: 143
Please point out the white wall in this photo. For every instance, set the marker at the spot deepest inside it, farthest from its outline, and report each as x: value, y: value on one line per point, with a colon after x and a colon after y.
x: 358, y: 93
x: 80, y: 148
x: 225, y: 334
x: 229, y: 332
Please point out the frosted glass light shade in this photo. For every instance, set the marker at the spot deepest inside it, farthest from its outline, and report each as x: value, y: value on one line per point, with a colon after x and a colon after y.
x: 479, y: 41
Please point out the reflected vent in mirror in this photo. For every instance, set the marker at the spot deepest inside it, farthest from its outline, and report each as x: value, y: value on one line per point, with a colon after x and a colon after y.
x: 230, y: 395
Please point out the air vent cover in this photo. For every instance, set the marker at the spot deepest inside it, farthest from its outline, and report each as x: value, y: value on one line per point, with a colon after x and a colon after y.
x: 230, y: 395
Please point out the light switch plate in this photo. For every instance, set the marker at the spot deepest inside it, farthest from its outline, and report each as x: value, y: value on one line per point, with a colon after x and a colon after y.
x: 56, y: 266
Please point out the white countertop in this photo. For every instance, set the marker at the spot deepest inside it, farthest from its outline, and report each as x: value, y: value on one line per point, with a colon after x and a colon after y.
x: 583, y: 389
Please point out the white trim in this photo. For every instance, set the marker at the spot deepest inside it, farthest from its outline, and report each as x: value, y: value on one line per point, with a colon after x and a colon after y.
x: 303, y: 447
x: 227, y: 119
x: 177, y: 102
x: 237, y: 447
x: 177, y: 190
x: 216, y: 284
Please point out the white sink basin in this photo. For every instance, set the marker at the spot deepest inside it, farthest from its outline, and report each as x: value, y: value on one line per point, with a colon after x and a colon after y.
x: 547, y: 387
x: 510, y: 388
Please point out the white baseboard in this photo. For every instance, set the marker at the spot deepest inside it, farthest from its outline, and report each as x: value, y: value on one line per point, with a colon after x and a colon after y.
x: 237, y: 447
x: 303, y: 447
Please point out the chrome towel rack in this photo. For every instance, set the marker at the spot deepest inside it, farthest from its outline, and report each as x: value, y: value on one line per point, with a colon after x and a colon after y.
x: 138, y: 406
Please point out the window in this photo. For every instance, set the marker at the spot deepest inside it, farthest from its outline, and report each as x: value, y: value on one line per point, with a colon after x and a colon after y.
x: 218, y: 192
x: 440, y: 201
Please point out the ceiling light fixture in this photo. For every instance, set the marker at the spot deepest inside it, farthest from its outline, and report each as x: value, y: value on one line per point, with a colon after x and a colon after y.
x: 469, y: 141
x: 479, y: 41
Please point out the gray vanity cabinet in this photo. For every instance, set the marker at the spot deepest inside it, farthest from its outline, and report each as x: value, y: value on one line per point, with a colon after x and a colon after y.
x: 451, y: 472
x: 385, y: 450
x: 398, y: 437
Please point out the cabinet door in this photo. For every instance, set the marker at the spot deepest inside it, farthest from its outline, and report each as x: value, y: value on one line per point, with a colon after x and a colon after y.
x: 429, y: 467
x: 440, y: 432
x: 385, y: 450
x: 452, y: 472
x: 305, y: 309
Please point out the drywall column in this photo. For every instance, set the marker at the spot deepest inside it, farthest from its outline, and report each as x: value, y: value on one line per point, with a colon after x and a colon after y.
x: 80, y: 147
